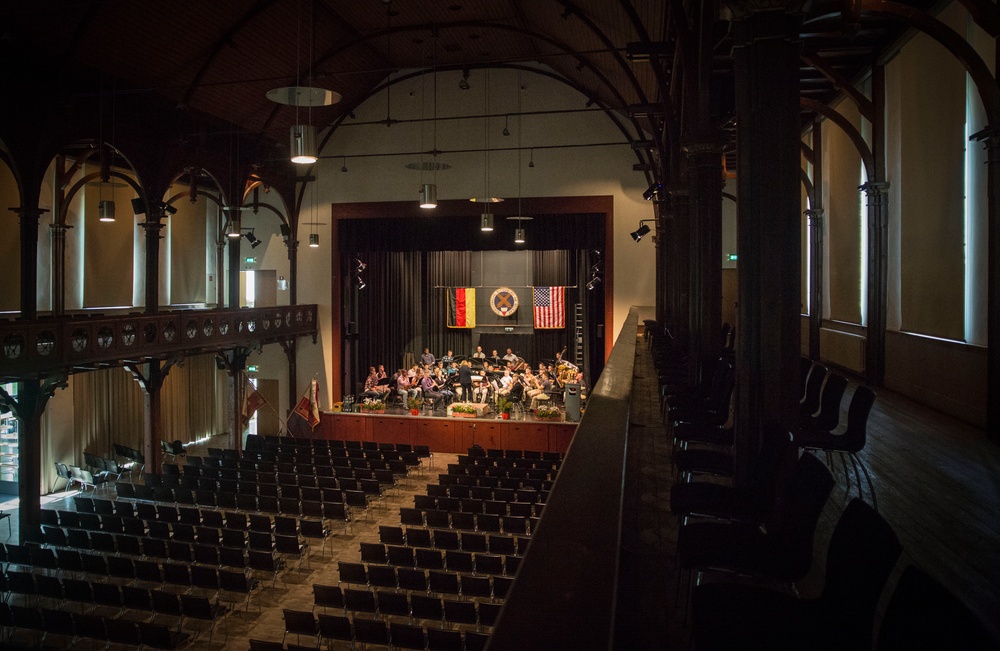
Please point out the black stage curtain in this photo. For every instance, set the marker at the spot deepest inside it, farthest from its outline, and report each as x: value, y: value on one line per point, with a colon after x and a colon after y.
x: 403, y: 309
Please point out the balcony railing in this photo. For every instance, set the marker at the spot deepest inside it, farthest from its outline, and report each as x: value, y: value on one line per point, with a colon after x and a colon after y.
x: 39, y: 347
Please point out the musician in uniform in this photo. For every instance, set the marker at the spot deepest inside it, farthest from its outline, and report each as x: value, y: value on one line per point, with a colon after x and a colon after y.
x: 427, y: 359
x: 509, y: 357
x: 479, y: 354
x: 449, y: 358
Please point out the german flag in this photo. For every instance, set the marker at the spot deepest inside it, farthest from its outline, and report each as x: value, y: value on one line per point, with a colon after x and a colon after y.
x: 462, y: 307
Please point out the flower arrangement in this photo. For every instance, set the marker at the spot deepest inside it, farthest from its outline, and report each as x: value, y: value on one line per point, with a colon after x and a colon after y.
x: 371, y: 405
x: 463, y: 408
x: 548, y: 413
x: 504, y: 406
x: 414, y: 402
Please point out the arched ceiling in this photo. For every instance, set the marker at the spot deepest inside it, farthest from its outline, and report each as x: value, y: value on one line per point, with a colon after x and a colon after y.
x: 218, y: 58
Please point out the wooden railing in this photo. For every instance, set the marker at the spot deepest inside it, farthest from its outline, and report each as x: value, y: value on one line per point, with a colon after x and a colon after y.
x: 39, y: 347
x: 566, y: 588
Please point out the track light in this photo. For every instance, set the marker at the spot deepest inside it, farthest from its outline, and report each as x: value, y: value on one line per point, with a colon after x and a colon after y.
x: 652, y: 191
x: 486, y: 222
x: 594, y: 282
x: 314, y: 240
x: 638, y: 233
x: 361, y: 265
x: 359, y: 282
x: 428, y: 196
x: 506, y: 131
x: 463, y: 83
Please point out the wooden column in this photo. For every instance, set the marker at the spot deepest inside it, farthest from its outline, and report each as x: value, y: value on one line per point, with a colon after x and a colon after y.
x: 152, y: 227
x: 704, y: 170
x: 816, y: 234
x: 31, y: 404
x: 57, y: 233
x: 150, y: 376
x: 991, y: 139
x: 234, y: 273
x: 878, y: 243
x: 293, y: 270
x: 678, y: 265
x: 769, y: 228
x: 660, y: 244
x: 29, y: 216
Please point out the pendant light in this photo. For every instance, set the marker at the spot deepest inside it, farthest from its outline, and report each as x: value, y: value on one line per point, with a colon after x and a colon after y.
x: 486, y: 198
x: 486, y: 222
x: 520, y: 218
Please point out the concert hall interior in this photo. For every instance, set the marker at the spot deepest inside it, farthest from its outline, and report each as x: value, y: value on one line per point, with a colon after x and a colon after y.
x: 739, y: 261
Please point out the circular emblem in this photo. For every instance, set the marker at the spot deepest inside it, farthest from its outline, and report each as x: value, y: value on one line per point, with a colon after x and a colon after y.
x: 503, y: 302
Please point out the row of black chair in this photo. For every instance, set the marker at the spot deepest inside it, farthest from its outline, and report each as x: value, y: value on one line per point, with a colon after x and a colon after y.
x: 435, y: 499
x: 487, y: 493
x: 287, y: 486
x: 426, y: 558
x: 509, y: 462
x: 444, y: 539
x: 539, y: 474
x: 419, y: 580
x: 437, y: 519
x: 397, y: 635
x: 297, y: 463
x: 110, y: 630
x: 486, y: 481
x: 271, y: 442
x: 124, y: 597
x: 424, y: 606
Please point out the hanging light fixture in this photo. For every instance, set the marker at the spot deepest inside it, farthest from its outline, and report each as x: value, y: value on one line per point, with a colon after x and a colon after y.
x: 428, y: 196
x: 302, y: 137
x: 314, y: 240
x: 106, y: 210
x: 518, y: 235
x: 232, y: 229
x: 486, y: 222
x: 520, y: 218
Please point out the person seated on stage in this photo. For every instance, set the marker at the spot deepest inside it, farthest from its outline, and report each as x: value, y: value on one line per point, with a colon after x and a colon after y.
x: 506, y: 383
x: 429, y: 389
x: 449, y: 357
x: 414, y: 389
x: 381, y: 372
x: 427, y: 358
x: 452, y: 370
x: 560, y: 362
x: 403, y: 385
x: 372, y: 388
x: 479, y: 354
x: 576, y: 379
x: 495, y: 359
x: 480, y: 390
x: 441, y: 385
x: 544, y: 384
x: 542, y: 367
x: 510, y: 356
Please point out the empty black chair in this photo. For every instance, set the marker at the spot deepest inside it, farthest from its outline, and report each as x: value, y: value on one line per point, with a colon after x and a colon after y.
x: 369, y: 631
x: 159, y: 636
x: 444, y: 640
x: 863, y: 550
x: 373, y: 552
x: 458, y: 561
x: 362, y: 601
x: 407, y: 636
x: 393, y: 603
x: 300, y: 622
x: 382, y: 576
x: 426, y: 607
x: 328, y: 596
x: 352, y: 573
x: 335, y: 627
x: 428, y: 559
x: 196, y: 607
x: 443, y: 582
x: 412, y: 579
x: 418, y: 537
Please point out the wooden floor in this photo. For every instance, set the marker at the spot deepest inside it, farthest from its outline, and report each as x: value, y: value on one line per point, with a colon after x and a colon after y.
x: 937, y: 481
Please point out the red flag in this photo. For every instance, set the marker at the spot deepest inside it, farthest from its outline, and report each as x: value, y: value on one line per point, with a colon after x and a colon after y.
x: 549, y: 307
x: 308, y: 406
x: 253, y: 402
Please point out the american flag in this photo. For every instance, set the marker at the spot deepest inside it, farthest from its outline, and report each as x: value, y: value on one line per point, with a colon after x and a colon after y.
x: 549, y: 307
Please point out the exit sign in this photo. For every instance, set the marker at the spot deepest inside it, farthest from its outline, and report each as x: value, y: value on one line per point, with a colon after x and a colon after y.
x: 252, y: 368
x: 732, y: 257
x: 251, y: 260
x: 508, y: 329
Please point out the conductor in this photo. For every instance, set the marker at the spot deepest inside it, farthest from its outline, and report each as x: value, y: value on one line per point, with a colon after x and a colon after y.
x: 465, y: 380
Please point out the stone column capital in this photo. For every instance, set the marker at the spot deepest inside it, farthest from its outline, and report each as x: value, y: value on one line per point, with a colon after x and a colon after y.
x: 25, y: 212
x: 874, y: 188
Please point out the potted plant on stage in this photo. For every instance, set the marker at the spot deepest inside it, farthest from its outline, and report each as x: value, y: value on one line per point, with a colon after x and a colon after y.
x: 548, y: 413
x: 373, y: 406
x: 414, y: 403
x: 504, y: 406
x: 463, y: 410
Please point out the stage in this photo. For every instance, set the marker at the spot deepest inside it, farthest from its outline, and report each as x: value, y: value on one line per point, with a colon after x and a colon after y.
x: 444, y: 433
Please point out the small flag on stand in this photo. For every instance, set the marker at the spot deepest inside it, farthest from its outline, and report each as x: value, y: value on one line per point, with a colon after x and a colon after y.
x: 549, y: 307
x: 462, y: 307
x: 253, y: 402
x: 308, y: 406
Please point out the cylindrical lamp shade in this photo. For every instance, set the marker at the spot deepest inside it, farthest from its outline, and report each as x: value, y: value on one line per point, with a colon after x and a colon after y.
x: 428, y: 196
x: 486, y: 223
x: 519, y: 236
x: 314, y: 239
x: 106, y: 210
x: 233, y: 229
x: 303, y: 144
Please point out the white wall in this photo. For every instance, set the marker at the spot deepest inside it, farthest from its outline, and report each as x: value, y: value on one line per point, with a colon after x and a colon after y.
x: 378, y: 174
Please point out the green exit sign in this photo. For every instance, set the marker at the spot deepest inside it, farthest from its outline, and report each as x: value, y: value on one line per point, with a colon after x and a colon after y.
x: 732, y: 257
x: 252, y: 368
x: 251, y: 260
x: 509, y: 329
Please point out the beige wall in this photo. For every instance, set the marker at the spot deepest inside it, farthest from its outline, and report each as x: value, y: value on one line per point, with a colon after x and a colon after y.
x: 10, y: 247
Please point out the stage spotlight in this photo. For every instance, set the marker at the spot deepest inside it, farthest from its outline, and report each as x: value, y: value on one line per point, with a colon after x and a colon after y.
x: 170, y: 210
x: 254, y: 242
x: 361, y: 265
x: 652, y: 191
x: 359, y: 282
x: 463, y: 83
x: 594, y: 282
x: 638, y: 233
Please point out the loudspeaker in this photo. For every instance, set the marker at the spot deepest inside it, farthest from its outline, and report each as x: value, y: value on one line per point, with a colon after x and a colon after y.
x: 286, y: 231
x: 138, y: 206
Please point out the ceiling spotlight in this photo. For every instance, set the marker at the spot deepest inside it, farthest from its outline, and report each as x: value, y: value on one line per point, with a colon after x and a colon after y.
x: 314, y: 240
x: 233, y: 229
x: 168, y: 209
x: 594, y: 282
x: 343, y: 167
x: 652, y: 191
x: 359, y: 282
x: 361, y: 266
x: 428, y: 196
x: 638, y: 233
x: 519, y: 236
x: 303, y: 144
x: 254, y: 242
x: 463, y: 83
x: 486, y: 222
x: 506, y: 131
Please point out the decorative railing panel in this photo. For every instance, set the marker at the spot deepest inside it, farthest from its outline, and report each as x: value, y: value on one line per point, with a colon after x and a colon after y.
x: 39, y: 347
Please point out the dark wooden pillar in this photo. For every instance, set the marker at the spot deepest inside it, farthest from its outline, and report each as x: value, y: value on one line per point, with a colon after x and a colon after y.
x: 660, y: 244
x: 704, y: 169
x: 769, y: 228
x: 31, y: 404
x: 878, y: 243
x: 678, y: 265
x: 57, y: 233
x: 991, y: 139
x: 150, y: 376
x: 152, y: 227
x: 293, y: 270
x: 234, y: 273
x: 816, y: 235
x: 29, y: 216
